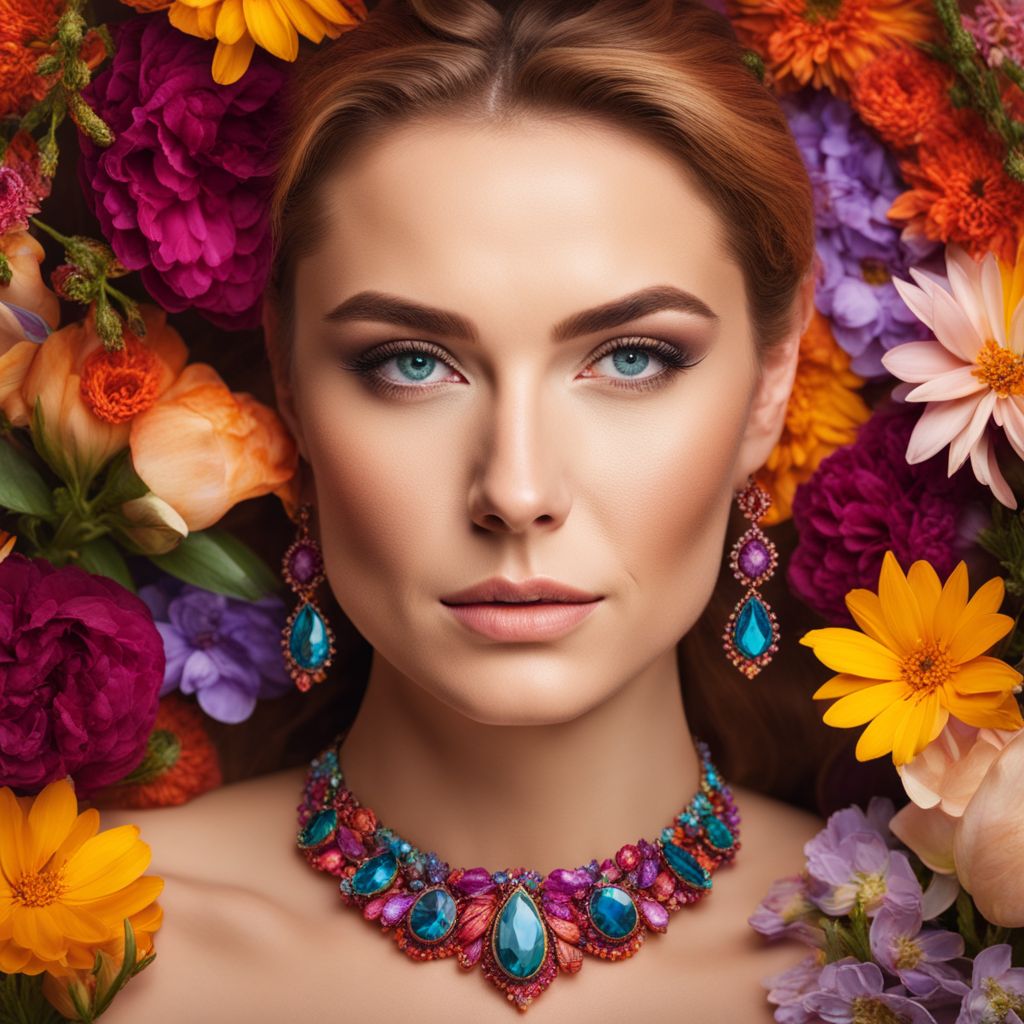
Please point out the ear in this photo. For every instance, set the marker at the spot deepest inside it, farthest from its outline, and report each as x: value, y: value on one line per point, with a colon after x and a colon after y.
x: 280, y: 368
x: 772, y: 391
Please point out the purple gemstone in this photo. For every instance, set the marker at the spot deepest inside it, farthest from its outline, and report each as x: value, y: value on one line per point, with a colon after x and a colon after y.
x: 475, y: 882
x: 305, y: 563
x: 558, y: 908
x: 471, y: 953
x: 646, y: 873
x: 570, y: 883
x: 654, y: 914
x: 754, y: 558
x: 395, y: 908
x: 349, y: 843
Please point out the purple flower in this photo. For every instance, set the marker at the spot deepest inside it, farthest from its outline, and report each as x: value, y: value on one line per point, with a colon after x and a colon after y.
x: 918, y: 958
x: 787, y: 910
x: 997, y: 990
x: 224, y: 650
x: 182, y: 195
x: 853, y: 992
x: 865, y: 499
x: 855, y: 181
x: 998, y: 29
x: 80, y: 671
x: 787, y: 989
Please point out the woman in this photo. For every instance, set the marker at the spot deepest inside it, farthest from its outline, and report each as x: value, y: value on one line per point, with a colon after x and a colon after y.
x: 540, y: 280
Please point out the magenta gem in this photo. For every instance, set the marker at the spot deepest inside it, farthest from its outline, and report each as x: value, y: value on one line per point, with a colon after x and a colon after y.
x: 305, y: 563
x: 395, y: 908
x: 654, y: 914
x: 349, y: 843
x: 754, y: 558
x: 471, y: 953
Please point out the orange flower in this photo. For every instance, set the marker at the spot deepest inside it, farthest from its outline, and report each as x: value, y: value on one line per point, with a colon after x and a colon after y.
x: 960, y: 193
x: 26, y: 30
x: 823, y: 414
x: 203, y: 448
x: 904, y: 96
x: 26, y: 291
x: 824, y: 43
x: 6, y: 544
x: 180, y: 764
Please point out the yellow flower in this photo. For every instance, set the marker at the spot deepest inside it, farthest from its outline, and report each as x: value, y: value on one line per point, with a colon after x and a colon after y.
x: 823, y: 414
x: 275, y: 25
x: 919, y: 660
x: 64, y: 890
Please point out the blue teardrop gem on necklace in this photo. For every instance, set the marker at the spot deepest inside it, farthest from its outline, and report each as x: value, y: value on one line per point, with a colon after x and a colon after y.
x: 519, y: 939
x: 686, y: 866
x: 432, y: 916
x: 753, y: 631
x: 375, y: 875
x: 309, y: 644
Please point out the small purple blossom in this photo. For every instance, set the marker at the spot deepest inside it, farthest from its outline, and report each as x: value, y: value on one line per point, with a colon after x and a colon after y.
x: 853, y: 992
x: 787, y: 910
x: 15, y: 202
x: 855, y: 181
x: 997, y: 990
x: 918, y: 958
x: 787, y: 989
x: 998, y: 29
x: 224, y: 650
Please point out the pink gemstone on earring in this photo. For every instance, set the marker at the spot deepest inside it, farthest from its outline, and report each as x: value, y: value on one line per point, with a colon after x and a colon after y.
x: 305, y: 562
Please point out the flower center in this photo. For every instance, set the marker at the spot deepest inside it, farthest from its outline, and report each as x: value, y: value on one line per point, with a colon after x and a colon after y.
x: 927, y: 668
x: 39, y: 889
x: 795, y: 909
x: 870, y: 1010
x: 870, y: 889
x: 874, y: 272
x: 908, y: 953
x: 1001, y: 1002
x: 1001, y: 369
x: 117, y: 386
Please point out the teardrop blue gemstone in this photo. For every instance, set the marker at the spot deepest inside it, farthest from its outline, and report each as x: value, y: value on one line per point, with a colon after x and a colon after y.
x: 375, y: 875
x: 753, y: 631
x: 432, y: 915
x: 519, y: 940
x: 613, y: 911
x: 318, y: 829
x: 308, y: 643
x: 686, y: 866
x: 717, y: 832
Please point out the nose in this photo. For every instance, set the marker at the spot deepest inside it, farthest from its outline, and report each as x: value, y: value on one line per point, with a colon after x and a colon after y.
x: 519, y: 481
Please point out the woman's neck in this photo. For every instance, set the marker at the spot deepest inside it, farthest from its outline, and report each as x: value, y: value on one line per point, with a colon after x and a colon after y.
x: 540, y: 797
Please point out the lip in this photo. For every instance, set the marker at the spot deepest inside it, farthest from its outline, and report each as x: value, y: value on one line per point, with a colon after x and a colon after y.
x: 524, y: 622
x: 537, y: 588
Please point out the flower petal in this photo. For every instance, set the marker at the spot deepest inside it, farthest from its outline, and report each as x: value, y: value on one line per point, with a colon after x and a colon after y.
x: 953, y: 326
x: 986, y: 470
x: 85, y: 827
x: 860, y: 707
x: 36, y: 929
x: 129, y: 900
x: 926, y: 720
x: 990, y: 284
x: 52, y: 816
x: 105, y: 863
x: 976, y: 635
x: 964, y: 442
x: 899, y: 606
x: 927, y: 587
x: 866, y: 610
x: 270, y: 29
x: 230, y: 22
x: 13, y: 853
x: 981, y: 710
x: 877, y: 739
x: 841, y: 685
x: 946, y: 386
x: 918, y: 361
x: 938, y: 425
x: 846, y: 650
x: 79, y: 924
x: 230, y: 62
x: 988, y: 598
x: 985, y: 675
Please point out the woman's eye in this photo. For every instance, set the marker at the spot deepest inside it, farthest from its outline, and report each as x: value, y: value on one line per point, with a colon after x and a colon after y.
x: 413, y: 367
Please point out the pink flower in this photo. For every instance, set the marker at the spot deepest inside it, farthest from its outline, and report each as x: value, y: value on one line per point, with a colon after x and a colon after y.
x: 974, y: 372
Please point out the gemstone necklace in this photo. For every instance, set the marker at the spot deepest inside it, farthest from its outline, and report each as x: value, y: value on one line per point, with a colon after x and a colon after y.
x: 520, y: 926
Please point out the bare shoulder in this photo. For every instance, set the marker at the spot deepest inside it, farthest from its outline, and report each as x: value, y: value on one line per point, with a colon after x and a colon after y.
x: 777, y: 830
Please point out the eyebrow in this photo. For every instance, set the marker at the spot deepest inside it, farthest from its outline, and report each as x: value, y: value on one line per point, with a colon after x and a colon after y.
x: 372, y: 305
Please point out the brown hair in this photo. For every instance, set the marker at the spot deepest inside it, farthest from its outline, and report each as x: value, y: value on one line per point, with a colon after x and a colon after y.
x: 669, y: 70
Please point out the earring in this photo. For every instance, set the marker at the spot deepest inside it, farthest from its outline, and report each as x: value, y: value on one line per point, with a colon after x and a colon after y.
x: 306, y: 640
x: 751, y: 635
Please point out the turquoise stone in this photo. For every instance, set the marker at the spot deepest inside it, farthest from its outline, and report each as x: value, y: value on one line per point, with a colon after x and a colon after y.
x: 308, y: 643
x: 432, y: 915
x: 753, y: 631
x: 718, y: 833
x: 519, y: 940
x: 319, y: 828
x: 375, y: 875
x: 686, y: 866
x: 613, y: 911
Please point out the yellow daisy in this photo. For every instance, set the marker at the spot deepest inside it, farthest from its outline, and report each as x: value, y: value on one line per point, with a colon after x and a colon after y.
x: 274, y: 25
x: 919, y: 660
x: 64, y: 890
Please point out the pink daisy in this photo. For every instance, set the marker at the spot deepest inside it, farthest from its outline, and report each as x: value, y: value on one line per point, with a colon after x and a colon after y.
x: 974, y: 372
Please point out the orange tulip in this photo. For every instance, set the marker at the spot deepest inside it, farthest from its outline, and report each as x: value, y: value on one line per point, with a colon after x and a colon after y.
x: 203, y: 448
x: 26, y: 289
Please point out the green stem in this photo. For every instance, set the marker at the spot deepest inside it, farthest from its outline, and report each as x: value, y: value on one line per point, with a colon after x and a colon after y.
x: 52, y: 232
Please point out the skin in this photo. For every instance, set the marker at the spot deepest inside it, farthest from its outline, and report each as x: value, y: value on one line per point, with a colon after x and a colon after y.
x: 513, y: 455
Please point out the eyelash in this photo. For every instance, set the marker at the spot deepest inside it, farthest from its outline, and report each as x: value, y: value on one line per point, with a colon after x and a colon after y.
x: 368, y: 364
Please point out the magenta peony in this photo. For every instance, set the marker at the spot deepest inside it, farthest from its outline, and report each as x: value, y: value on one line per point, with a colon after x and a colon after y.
x: 182, y: 195
x: 81, y: 665
x: 866, y: 499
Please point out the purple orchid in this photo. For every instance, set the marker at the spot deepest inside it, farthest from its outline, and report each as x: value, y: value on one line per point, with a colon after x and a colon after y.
x: 787, y: 910
x: 852, y: 992
x: 997, y: 989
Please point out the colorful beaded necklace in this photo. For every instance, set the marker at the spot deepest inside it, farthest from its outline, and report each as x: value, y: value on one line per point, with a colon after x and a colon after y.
x: 520, y: 926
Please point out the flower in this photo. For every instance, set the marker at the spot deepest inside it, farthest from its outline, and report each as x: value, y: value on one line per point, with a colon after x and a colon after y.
x: 988, y: 845
x: 22, y: 156
x: 918, y: 958
x: 998, y: 29
x: 63, y: 888
x: 974, y: 372
x: 275, y: 25
x: 852, y: 992
x: 960, y: 192
x: 87, y: 394
x: 997, y: 989
x: 859, y: 250
x: 787, y: 910
x: 25, y: 34
x: 203, y: 448
x: 81, y: 665
x: 823, y: 43
x: 6, y: 544
x: 904, y: 95
x: 28, y: 309
x: 787, y: 989
x: 823, y: 412
x: 865, y: 499
x: 183, y: 193
x: 919, y: 660
x: 181, y: 762
x: 151, y: 525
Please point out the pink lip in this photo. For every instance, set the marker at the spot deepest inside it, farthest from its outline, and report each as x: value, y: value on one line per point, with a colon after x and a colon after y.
x: 523, y: 622
x: 537, y: 588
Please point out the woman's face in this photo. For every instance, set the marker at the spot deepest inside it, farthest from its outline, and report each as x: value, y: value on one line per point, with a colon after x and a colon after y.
x: 522, y: 352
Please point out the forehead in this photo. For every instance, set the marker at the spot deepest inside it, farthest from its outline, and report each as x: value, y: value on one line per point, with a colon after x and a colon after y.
x: 543, y: 207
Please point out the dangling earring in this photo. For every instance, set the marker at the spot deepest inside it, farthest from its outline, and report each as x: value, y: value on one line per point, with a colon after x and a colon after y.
x: 751, y: 635
x: 306, y: 640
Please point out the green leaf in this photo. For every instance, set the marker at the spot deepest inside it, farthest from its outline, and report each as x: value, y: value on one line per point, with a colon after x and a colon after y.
x: 101, y: 556
x: 215, y: 560
x: 121, y: 483
x: 22, y: 1001
x: 965, y: 923
x: 22, y: 489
